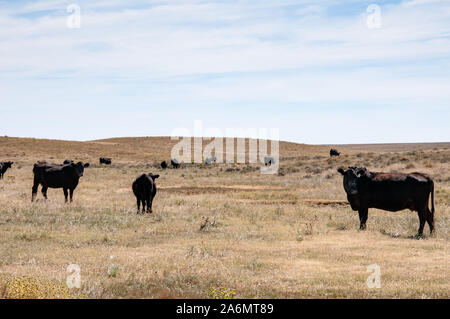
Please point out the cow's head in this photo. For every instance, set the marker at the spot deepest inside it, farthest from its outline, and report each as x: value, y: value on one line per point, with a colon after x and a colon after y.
x: 7, y: 164
x: 355, y: 184
x: 79, y: 168
x: 354, y: 179
x: 153, y: 176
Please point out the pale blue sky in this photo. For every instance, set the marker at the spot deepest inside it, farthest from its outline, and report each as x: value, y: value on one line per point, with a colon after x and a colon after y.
x: 313, y: 69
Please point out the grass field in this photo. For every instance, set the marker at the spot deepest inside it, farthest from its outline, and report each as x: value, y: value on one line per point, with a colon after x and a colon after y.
x: 223, y: 226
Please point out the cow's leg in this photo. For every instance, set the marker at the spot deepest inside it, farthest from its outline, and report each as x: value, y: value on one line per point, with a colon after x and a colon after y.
x: 138, y: 204
x: 44, y: 191
x: 144, y: 204
x: 149, y: 205
x: 34, y: 192
x: 422, y: 219
x: 71, y: 194
x: 430, y: 220
x: 65, y: 194
x: 363, y: 213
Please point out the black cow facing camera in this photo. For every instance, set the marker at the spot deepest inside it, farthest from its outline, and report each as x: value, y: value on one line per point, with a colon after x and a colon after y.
x: 144, y: 188
x: 389, y: 191
x: 4, y: 167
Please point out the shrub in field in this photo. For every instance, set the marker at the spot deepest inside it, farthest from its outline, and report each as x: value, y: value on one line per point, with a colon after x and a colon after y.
x: 33, y: 288
x: 221, y: 293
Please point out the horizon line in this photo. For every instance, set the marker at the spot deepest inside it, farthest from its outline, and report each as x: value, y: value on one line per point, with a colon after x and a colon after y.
x: 223, y: 137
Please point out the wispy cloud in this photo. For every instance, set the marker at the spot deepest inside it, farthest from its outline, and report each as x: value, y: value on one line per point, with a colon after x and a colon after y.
x: 293, y: 59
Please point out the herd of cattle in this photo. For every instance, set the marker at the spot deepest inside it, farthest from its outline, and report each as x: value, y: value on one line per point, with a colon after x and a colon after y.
x: 364, y: 189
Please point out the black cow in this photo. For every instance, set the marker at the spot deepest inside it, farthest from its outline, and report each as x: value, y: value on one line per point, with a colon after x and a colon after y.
x: 389, y: 191
x: 175, y: 163
x: 144, y: 188
x: 57, y: 176
x: 210, y: 160
x: 334, y: 152
x: 4, y: 167
x: 163, y: 164
x: 269, y: 160
x: 105, y: 160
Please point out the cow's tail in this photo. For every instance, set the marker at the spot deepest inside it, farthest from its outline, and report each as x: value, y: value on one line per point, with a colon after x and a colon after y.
x: 432, y: 197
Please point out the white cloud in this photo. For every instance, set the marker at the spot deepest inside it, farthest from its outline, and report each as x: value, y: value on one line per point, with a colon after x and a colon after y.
x: 220, y: 53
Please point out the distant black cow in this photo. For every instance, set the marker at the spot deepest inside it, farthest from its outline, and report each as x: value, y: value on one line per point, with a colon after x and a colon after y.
x: 269, y: 160
x: 163, y: 164
x: 105, y: 160
x: 210, y: 160
x: 4, y: 167
x: 334, y: 152
x: 57, y: 176
x: 175, y: 163
x: 389, y: 191
x: 144, y: 188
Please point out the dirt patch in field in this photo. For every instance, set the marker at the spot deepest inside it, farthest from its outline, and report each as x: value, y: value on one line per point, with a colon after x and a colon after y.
x: 216, y: 189
x: 311, y: 202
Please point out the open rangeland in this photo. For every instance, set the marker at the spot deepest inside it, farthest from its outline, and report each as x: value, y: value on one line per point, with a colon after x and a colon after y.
x: 217, y: 230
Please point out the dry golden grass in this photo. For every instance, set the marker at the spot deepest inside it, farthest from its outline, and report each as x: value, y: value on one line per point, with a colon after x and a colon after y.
x: 223, y: 227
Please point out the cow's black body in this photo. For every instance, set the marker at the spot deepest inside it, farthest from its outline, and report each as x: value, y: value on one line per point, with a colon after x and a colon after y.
x: 144, y: 188
x: 175, y: 163
x: 105, y: 160
x: 211, y: 160
x: 4, y: 167
x: 269, y: 160
x: 163, y: 164
x: 334, y: 152
x: 57, y: 176
x: 391, y: 192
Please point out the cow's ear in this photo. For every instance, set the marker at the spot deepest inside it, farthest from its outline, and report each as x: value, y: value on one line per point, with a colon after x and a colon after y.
x: 341, y: 170
x: 86, y: 165
x: 155, y: 176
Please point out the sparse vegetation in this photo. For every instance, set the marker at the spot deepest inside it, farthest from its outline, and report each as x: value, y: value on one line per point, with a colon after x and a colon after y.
x: 221, y: 225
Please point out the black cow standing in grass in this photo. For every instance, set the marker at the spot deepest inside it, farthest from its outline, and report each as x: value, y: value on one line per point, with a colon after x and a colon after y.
x: 269, y: 160
x: 57, y: 176
x: 175, y: 163
x: 105, y: 160
x: 334, y: 152
x: 389, y: 191
x: 163, y: 164
x: 144, y: 188
x: 4, y: 167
